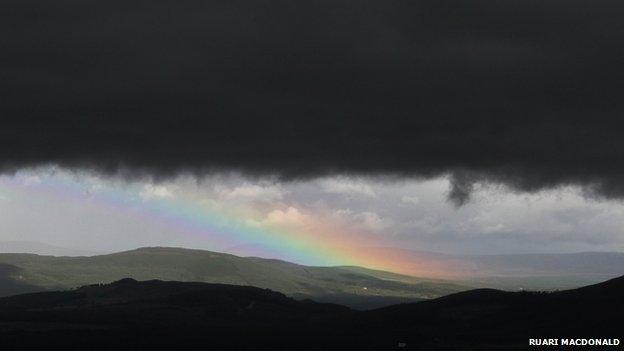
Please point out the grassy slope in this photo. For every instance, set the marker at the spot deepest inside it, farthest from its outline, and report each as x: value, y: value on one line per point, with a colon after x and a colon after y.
x: 203, y: 266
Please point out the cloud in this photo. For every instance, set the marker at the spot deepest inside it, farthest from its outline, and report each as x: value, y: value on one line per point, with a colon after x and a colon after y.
x: 522, y: 93
x: 248, y: 191
x: 346, y: 186
x: 32, y: 180
x: 291, y: 216
x: 151, y: 192
x: 413, y: 200
x: 371, y: 220
x: 367, y: 220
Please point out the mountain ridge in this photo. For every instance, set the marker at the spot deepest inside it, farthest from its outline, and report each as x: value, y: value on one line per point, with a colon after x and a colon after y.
x: 178, y: 264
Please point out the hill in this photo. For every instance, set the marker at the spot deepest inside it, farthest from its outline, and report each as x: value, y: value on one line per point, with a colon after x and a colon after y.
x: 138, y: 315
x: 153, y: 314
x: 364, y: 288
x: 488, y: 318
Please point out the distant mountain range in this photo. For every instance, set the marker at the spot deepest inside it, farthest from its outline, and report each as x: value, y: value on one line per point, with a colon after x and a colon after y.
x: 509, y: 272
x: 16, y: 246
x: 128, y: 314
x: 354, y: 286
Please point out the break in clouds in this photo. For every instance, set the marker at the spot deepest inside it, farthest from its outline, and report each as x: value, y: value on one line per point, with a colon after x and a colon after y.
x: 527, y: 94
x: 36, y: 206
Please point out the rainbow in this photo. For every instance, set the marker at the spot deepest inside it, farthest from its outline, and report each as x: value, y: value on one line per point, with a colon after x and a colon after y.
x: 320, y: 245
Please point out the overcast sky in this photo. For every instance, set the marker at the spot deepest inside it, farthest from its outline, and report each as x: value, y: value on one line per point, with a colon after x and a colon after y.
x: 517, y: 92
x: 459, y: 126
x: 74, y: 210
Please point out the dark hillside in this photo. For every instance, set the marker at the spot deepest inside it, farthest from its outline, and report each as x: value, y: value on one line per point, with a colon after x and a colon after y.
x: 131, y: 314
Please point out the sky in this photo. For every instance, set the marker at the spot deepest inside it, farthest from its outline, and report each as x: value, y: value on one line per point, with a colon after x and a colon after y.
x: 456, y: 126
x: 85, y: 211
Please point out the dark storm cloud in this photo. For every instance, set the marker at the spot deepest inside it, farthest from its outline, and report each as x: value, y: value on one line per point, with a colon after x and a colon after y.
x: 527, y: 93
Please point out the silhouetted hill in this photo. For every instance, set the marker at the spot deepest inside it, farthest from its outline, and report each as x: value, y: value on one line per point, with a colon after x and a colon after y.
x: 128, y: 301
x: 152, y: 314
x: 367, y: 288
x: 139, y: 315
x: 493, y: 317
